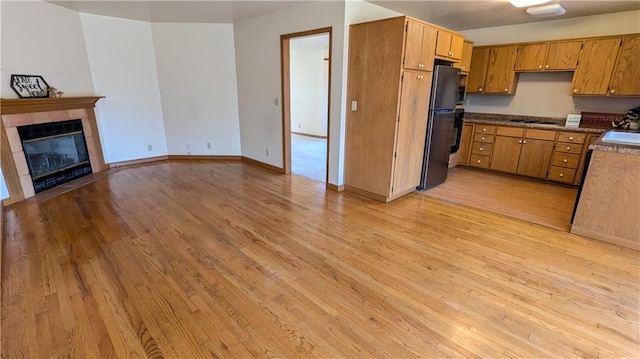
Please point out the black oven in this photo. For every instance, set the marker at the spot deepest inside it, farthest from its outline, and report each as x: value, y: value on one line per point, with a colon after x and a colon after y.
x: 457, y: 130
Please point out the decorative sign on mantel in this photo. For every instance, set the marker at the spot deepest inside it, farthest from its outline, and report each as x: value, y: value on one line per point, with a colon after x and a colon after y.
x: 30, y: 86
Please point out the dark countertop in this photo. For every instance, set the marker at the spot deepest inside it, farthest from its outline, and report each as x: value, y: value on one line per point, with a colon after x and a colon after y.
x: 614, y: 147
x: 548, y: 123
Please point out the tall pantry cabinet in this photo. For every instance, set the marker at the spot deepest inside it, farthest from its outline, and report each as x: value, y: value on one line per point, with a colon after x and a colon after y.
x: 389, y: 85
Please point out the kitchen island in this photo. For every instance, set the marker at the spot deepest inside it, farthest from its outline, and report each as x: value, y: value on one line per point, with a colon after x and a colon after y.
x: 609, y: 203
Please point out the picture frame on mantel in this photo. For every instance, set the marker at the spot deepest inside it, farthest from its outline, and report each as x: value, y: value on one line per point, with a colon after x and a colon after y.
x: 30, y: 86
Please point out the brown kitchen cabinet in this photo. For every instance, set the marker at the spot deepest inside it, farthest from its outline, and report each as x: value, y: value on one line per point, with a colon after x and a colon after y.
x: 548, y: 56
x: 420, y: 40
x: 597, y: 60
x: 482, y: 146
x: 385, y: 133
x: 449, y: 45
x: 526, y: 152
x: 465, y: 143
x: 465, y: 63
x: 492, y: 70
x: 626, y: 74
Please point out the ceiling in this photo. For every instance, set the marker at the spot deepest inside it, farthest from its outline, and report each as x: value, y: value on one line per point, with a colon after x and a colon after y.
x: 453, y: 14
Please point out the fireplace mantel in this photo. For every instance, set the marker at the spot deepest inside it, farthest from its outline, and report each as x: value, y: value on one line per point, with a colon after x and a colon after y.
x: 29, y: 105
x: 21, y: 112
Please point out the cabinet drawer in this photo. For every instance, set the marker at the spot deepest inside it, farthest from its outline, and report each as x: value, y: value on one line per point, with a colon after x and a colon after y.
x: 560, y: 174
x: 480, y: 148
x: 567, y: 160
x: 479, y: 161
x: 571, y: 137
x: 489, y: 130
x: 479, y: 137
x: 510, y: 131
x: 568, y: 147
x: 541, y: 135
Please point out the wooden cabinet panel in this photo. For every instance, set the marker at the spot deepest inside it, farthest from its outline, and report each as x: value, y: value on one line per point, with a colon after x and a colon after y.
x: 563, y: 55
x: 531, y: 57
x: 457, y: 47
x: 593, y: 75
x: 419, y: 44
x: 540, y: 134
x: 412, y: 127
x: 479, y: 161
x: 465, y: 143
x: 483, y: 129
x: 535, y: 158
x: 625, y: 80
x: 568, y: 147
x: 500, y: 77
x: 478, y: 69
x: 590, y: 139
x: 571, y: 137
x: 561, y: 174
x: 449, y: 45
x: 506, y: 152
x: 567, y: 160
x: 467, y: 51
x: 479, y: 137
x: 510, y: 131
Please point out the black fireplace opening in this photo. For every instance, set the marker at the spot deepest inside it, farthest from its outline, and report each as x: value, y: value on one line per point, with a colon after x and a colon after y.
x: 55, y: 152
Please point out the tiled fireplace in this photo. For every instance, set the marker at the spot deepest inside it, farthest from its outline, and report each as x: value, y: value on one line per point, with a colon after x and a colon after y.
x: 65, y: 148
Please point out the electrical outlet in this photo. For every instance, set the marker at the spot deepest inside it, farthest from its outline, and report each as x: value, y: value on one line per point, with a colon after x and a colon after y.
x: 209, y: 145
x: 268, y: 152
x: 575, y: 106
x: 299, y: 126
x: 149, y: 148
x: 515, y: 104
x: 276, y: 101
x: 188, y: 147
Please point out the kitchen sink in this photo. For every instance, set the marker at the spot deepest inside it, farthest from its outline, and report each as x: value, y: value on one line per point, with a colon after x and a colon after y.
x: 623, y: 138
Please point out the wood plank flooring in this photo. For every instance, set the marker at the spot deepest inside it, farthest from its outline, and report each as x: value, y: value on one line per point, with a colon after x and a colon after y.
x: 201, y: 260
x: 529, y: 200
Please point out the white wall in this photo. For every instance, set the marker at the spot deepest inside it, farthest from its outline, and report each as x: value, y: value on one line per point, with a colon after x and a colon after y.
x: 259, y: 80
x: 123, y: 67
x: 44, y: 39
x: 549, y: 94
x: 197, y: 76
x: 308, y: 76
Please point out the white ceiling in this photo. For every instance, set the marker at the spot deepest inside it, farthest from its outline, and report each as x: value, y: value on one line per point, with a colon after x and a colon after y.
x: 453, y: 14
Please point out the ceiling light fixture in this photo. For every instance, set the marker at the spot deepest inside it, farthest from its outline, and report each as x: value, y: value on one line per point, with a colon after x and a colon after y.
x: 527, y: 3
x: 546, y: 11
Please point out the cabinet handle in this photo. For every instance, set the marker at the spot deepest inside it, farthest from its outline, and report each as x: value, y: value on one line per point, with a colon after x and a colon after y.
x: 539, y: 66
x: 461, y: 67
x: 546, y: 66
x: 481, y: 149
x: 568, y: 148
x: 419, y: 77
x: 565, y: 160
x: 520, y: 141
x: 525, y: 141
x: 484, y: 130
x: 613, y: 91
x: 478, y: 161
x: 482, y: 138
x: 506, y: 90
x: 562, y: 175
x: 480, y: 89
x: 570, y: 138
x: 575, y: 90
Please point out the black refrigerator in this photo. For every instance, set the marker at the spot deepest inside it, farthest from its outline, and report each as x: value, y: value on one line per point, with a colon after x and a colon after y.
x: 442, y: 107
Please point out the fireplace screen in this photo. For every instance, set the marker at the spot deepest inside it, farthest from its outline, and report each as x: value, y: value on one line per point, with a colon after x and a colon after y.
x: 55, y: 152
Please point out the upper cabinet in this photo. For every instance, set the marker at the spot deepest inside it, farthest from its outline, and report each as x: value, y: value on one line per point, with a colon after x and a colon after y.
x: 548, y: 56
x: 594, y: 71
x: 420, y: 40
x: 478, y: 69
x: 465, y: 63
x: 500, y: 77
x: 625, y: 80
x: 449, y: 45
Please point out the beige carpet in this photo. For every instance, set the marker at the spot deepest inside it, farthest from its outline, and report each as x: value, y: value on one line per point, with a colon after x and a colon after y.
x: 309, y: 157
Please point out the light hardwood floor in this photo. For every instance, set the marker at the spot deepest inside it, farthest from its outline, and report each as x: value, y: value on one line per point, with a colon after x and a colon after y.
x: 529, y: 200
x: 197, y: 259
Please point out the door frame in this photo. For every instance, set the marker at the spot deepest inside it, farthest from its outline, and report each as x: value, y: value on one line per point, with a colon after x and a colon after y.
x: 285, y: 74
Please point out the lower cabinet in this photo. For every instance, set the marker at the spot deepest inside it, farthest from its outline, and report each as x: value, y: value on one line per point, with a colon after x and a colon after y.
x: 526, y: 152
x: 465, y: 143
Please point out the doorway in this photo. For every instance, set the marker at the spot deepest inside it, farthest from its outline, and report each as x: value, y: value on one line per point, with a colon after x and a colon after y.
x: 306, y: 73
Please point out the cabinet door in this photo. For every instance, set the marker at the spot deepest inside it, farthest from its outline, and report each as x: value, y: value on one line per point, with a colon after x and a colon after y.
x: 456, y: 50
x: 626, y: 76
x: 563, y: 55
x: 443, y: 44
x: 465, y: 62
x: 593, y: 75
x: 506, y: 152
x: 465, y: 143
x: 590, y: 140
x: 419, y: 45
x: 478, y: 69
x: 531, y: 57
x: 500, y: 77
x: 411, y: 130
x: 535, y: 158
